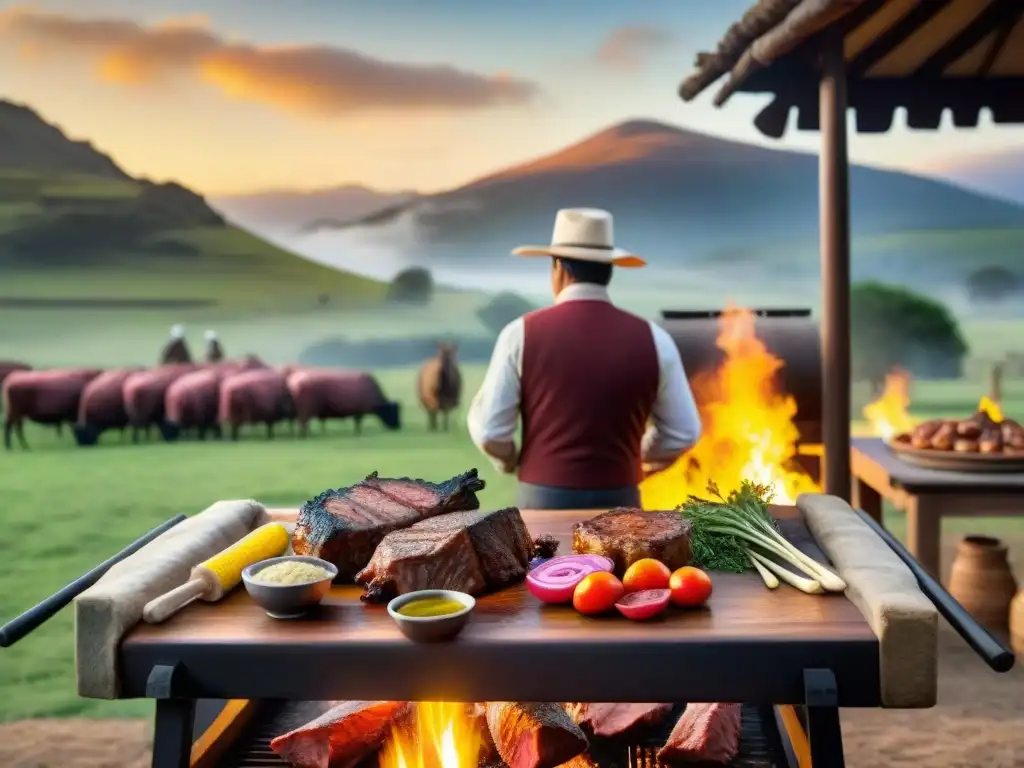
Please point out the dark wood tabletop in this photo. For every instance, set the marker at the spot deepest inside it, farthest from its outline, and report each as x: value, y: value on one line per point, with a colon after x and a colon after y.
x: 749, y: 644
x: 917, y: 479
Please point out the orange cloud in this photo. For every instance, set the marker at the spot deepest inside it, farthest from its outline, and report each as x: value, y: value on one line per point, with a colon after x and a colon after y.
x: 319, y: 80
x: 627, y: 48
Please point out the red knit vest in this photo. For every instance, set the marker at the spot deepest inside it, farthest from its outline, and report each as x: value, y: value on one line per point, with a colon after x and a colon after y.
x: 589, y: 382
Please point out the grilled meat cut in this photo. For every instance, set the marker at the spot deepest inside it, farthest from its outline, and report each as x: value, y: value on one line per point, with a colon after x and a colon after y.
x: 534, y: 734
x: 611, y: 720
x: 627, y: 535
x: 344, y: 526
x: 704, y: 733
x: 470, y: 552
x: 343, y: 736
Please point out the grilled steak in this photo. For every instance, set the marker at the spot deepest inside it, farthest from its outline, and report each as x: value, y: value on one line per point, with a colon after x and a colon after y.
x: 345, y: 525
x: 610, y: 720
x: 534, y: 734
x: 467, y: 551
x: 342, y: 736
x: 627, y: 535
x: 704, y: 733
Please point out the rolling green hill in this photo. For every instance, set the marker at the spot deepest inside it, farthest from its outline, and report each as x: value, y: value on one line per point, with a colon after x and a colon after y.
x: 76, y: 230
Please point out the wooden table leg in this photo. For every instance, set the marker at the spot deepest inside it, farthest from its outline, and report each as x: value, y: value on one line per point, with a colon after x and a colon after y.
x: 867, y: 498
x: 924, y: 532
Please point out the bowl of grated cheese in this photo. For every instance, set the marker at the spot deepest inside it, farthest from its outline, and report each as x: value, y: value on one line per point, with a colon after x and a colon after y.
x: 287, y: 587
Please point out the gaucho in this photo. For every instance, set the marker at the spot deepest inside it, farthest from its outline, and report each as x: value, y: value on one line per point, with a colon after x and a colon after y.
x: 602, y: 393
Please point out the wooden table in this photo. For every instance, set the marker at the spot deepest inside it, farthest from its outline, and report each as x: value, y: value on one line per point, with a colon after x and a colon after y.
x: 928, y: 495
x: 750, y: 645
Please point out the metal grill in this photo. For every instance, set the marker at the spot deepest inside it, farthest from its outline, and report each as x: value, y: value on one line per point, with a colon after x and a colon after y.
x: 760, y: 744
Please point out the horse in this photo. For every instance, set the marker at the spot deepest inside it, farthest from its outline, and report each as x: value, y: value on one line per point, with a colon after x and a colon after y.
x: 440, y: 385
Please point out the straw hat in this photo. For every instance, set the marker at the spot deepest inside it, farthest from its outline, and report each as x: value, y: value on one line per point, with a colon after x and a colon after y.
x: 584, y: 234
x: 178, y: 331
x: 211, y: 335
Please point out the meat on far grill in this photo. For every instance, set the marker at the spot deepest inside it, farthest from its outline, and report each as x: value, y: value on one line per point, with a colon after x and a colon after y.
x: 534, y: 734
x: 343, y: 736
x: 344, y: 526
x: 704, y: 733
x: 610, y: 720
x: 471, y: 552
x: 626, y: 535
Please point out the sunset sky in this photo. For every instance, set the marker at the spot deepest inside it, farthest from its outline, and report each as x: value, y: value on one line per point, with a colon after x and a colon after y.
x: 242, y: 95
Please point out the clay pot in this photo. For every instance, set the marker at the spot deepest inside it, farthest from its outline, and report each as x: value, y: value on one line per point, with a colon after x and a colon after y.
x: 1017, y: 623
x: 982, y: 581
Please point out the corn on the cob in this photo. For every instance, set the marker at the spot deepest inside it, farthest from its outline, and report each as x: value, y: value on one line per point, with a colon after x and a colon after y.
x: 220, y: 574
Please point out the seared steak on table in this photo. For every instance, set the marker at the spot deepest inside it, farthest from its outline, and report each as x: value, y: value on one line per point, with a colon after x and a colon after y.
x: 626, y: 535
x: 345, y: 525
x: 611, y: 720
x: 343, y: 736
x: 534, y: 734
x: 704, y: 733
x: 471, y: 552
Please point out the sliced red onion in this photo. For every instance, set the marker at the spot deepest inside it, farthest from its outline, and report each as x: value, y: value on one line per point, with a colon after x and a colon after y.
x: 555, y: 580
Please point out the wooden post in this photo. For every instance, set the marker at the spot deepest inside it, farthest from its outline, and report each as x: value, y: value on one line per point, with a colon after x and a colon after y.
x: 834, y: 212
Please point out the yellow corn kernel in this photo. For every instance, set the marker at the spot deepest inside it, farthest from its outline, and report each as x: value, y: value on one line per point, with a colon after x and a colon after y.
x: 270, y: 540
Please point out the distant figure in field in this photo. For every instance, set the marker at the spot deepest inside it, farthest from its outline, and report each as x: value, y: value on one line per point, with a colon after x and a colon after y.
x: 176, y: 350
x: 214, y: 351
x: 440, y: 385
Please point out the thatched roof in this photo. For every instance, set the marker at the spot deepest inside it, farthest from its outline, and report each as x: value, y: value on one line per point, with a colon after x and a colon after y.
x: 924, y: 55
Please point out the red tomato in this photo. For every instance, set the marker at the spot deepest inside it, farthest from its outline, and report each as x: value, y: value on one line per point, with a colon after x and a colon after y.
x: 647, y: 573
x: 643, y: 605
x: 690, y: 587
x: 597, y: 593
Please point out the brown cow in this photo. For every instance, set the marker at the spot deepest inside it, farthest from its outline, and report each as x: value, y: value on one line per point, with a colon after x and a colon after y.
x: 10, y: 366
x: 440, y: 385
x: 330, y: 394
x: 176, y: 349
x: 102, y: 406
x: 191, y: 403
x: 45, y: 397
x: 144, y: 394
x: 254, y: 397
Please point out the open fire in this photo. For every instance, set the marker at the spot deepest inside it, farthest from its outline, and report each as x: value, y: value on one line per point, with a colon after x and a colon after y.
x: 889, y: 414
x: 442, y: 735
x: 749, y: 431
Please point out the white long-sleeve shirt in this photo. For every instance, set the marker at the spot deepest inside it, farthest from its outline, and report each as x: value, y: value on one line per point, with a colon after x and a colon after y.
x: 494, y: 413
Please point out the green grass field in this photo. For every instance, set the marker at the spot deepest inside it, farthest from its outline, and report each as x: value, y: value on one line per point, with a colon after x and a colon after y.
x: 66, y: 509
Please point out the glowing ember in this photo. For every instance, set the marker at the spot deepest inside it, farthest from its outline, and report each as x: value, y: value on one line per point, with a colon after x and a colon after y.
x: 748, y: 429
x: 889, y: 415
x: 991, y: 408
x: 442, y: 736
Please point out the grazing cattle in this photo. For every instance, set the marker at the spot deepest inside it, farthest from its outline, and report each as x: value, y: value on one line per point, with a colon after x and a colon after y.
x: 440, y: 385
x: 191, y: 403
x: 176, y: 349
x: 329, y: 394
x: 102, y: 406
x: 214, y: 351
x: 144, y: 394
x: 10, y: 366
x: 45, y: 397
x: 254, y: 397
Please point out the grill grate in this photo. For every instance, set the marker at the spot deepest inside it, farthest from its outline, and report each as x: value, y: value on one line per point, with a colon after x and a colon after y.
x: 760, y: 744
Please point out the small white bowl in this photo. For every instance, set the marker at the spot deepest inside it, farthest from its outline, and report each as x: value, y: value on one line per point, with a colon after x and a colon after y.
x: 288, y: 601
x: 429, y: 629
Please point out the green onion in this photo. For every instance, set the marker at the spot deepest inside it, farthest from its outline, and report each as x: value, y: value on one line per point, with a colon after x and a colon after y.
x: 770, y: 579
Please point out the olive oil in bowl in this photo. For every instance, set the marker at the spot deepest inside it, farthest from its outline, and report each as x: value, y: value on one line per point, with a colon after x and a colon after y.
x: 431, y: 615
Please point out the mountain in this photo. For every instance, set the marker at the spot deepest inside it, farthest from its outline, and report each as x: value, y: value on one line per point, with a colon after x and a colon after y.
x: 74, y: 224
x: 286, y: 210
x: 690, y: 200
x: 999, y: 173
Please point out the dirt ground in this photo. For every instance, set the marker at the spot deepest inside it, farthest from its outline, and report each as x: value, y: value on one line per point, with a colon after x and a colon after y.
x: 978, y: 723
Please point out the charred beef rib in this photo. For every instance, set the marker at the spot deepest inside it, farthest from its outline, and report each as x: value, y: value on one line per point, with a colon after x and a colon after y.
x: 534, y: 734
x: 611, y: 720
x: 343, y: 736
x: 627, y: 535
x: 704, y: 733
x: 470, y: 552
x: 345, y: 525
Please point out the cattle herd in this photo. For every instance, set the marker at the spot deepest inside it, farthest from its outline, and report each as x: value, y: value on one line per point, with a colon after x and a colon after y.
x: 186, y: 399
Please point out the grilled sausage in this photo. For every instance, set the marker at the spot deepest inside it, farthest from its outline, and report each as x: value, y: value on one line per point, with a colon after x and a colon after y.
x: 965, y: 445
x: 1013, y: 434
x: 991, y: 440
x: 922, y: 435
x: 944, y: 437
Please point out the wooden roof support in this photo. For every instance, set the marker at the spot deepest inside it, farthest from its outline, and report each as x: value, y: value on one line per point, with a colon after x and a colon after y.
x: 834, y: 213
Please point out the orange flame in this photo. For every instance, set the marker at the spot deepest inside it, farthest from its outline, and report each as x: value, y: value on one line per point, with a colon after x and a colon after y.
x: 991, y: 408
x: 748, y: 430
x: 889, y: 414
x: 443, y: 736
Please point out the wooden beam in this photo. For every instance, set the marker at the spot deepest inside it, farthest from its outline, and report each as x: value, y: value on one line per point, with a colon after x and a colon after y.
x: 995, y: 15
x: 999, y: 43
x: 886, y: 42
x: 834, y: 212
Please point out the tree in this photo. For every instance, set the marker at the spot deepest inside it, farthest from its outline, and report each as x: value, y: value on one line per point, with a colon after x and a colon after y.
x: 502, y: 310
x: 992, y: 284
x: 892, y: 326
x: 412, y: 286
